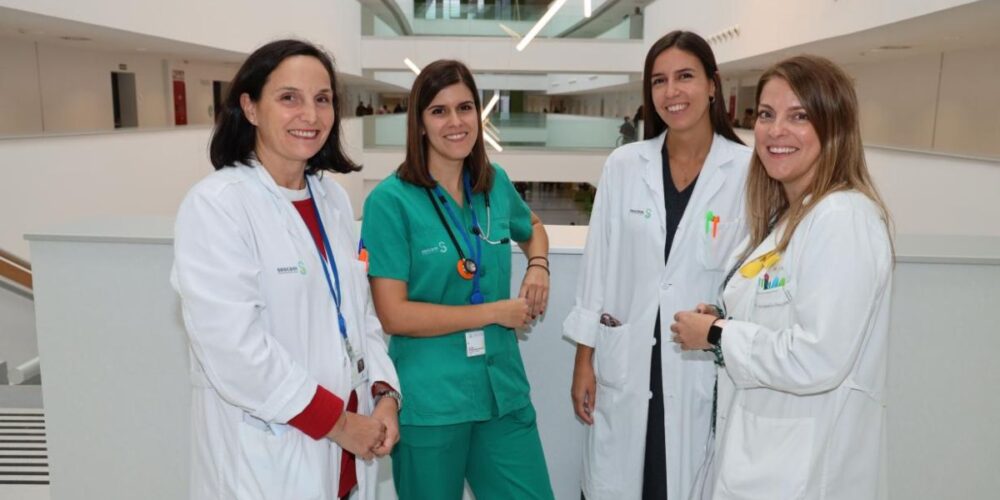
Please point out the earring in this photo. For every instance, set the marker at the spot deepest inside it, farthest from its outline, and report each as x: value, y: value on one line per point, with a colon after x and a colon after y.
x: 711, y: 99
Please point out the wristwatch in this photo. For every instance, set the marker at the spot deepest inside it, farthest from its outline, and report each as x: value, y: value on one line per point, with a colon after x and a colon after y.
x: 715, y: 334
x: 390, y: 394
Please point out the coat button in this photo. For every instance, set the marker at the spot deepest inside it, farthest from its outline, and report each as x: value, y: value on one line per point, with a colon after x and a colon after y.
x: 654, y: 341
x: 650, y: 394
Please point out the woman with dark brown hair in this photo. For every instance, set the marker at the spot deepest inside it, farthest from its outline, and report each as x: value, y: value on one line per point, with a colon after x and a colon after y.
x: 438, y: 235
x: 801, y: 396
x: 668, y: 210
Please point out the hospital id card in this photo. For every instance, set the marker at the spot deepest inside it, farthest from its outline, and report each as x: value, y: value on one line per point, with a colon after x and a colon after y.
x: 359, y: 375
x: 475, y: 343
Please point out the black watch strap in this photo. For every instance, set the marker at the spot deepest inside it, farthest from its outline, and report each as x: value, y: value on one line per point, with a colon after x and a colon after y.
x: 715, y: 335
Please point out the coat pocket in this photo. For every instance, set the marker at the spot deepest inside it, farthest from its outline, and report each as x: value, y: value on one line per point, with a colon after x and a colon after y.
x: 773, y: 308
x: 277, y: 465
x: 765, y: 457
x: 720, y: 241
x: 611, y: 355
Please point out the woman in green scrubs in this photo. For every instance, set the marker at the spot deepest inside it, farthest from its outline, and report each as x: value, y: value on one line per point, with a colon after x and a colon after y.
x: 438, y: 235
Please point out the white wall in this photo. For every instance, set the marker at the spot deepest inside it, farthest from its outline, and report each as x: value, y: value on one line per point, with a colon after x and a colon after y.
x: 941, y: 102
x: 769, y: 25
x: 482, y: 54
x: 896, y: 99
x: 941, y: 407
x: 561, y: 83
x: 933, y: 193
x: 968, y: 118
x: 76, y: 88
x: 52, y: 180
x: 20, y: 100
x: 73, y: 87
x: 198, y: 78
x: 616, y: 104
x: 235, y: 25
x: 17, y: 327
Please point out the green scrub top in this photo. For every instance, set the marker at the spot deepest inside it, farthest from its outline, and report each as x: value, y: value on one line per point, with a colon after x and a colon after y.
x: 406, y: 241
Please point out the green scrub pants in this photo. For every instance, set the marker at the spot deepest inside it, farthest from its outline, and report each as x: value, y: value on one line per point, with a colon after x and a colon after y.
x: 502, y: 459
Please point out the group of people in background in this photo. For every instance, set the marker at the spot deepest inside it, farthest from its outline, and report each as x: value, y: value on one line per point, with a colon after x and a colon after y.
x: 730, y: 318
x: 366, y: 109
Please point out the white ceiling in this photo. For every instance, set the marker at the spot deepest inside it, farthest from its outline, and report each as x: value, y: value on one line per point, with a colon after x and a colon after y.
x: 974, y: 25
x: 970, y: 26
x: 26, y: 26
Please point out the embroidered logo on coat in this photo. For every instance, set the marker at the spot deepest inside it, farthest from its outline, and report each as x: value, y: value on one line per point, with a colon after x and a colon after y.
x: 299, y: 268
x: 439, y: 248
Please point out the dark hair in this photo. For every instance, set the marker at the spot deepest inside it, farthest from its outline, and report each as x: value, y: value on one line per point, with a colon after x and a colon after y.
x: 234, y: 137
x: 697, y: 46
x: 431, y: 80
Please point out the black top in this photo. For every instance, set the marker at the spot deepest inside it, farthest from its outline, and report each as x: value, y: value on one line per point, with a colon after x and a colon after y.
x: 654, y: 474
x: 674, y: 201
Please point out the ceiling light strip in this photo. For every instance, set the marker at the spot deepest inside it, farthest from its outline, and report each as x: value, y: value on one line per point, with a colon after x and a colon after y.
x: 413, y: 67
x: 489, y: 140
x: 489, y: 105
x: 553, y: 8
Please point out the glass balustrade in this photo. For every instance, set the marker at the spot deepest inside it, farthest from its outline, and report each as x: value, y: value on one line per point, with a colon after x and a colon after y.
x: 515, y: 130
x: 504, y: 18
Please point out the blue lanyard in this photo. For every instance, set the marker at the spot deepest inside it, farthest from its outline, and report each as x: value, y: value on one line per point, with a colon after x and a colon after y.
x: 475, y: 253
x: 334, y: 290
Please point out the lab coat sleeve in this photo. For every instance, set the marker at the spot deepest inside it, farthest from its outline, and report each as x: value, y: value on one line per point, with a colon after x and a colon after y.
x: 382, y: 369
x: 380, y: 366
x: 584, y: 319
x: 216, y: 276
x: 842, y: 272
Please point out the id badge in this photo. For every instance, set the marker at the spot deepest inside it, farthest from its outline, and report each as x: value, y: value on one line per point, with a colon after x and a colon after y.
x: 475, y: 343
x: 359, y: 375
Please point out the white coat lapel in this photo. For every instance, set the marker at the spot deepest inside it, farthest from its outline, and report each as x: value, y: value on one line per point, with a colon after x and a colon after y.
x: 652, y: 175
x: 713, y: 172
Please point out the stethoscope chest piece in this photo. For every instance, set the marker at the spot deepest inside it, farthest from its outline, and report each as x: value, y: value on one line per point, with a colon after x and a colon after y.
x: 476, y: 298
x: 466, y: 268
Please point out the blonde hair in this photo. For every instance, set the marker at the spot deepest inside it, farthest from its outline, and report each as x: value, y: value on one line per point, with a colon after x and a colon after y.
x: 828, y: 96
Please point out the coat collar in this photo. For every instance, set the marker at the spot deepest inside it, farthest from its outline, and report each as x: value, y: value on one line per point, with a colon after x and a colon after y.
x: 272, y: 187
x: 292, y: 220
x: 718, y: 164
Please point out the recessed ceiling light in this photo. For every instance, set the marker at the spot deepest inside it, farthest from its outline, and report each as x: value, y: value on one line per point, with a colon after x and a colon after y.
x: 74, y: 38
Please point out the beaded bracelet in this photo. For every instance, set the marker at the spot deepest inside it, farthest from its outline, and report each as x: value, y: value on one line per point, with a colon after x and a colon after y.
x: 540, y: 266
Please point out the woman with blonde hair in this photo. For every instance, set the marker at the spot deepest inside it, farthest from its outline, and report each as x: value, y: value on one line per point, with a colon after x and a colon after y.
x: 801, y: 408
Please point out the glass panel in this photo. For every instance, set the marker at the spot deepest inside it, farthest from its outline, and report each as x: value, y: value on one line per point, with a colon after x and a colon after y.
x: 518, y: 130
x: 457, y: 18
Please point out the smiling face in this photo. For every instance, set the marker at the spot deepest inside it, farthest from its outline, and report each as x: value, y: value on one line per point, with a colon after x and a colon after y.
x: 294, y: 114
x: 451, y: 126
x: 786, y: 140
x: 680, y: 90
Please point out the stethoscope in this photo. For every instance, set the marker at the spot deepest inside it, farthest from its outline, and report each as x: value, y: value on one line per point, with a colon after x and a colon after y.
x: 468, y: 267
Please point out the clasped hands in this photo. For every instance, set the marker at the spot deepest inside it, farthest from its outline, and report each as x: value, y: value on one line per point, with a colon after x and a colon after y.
x: 368, y: 437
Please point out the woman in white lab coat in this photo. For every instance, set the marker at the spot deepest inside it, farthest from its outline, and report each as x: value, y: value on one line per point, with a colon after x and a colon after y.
x: 293, y: 390
x: 668, y: 210
x: 801, y: 403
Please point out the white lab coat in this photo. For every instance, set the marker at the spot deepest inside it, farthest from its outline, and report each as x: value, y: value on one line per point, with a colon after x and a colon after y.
x: 623, y: 274
x: 263, y: 333
x: 801, y: 403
